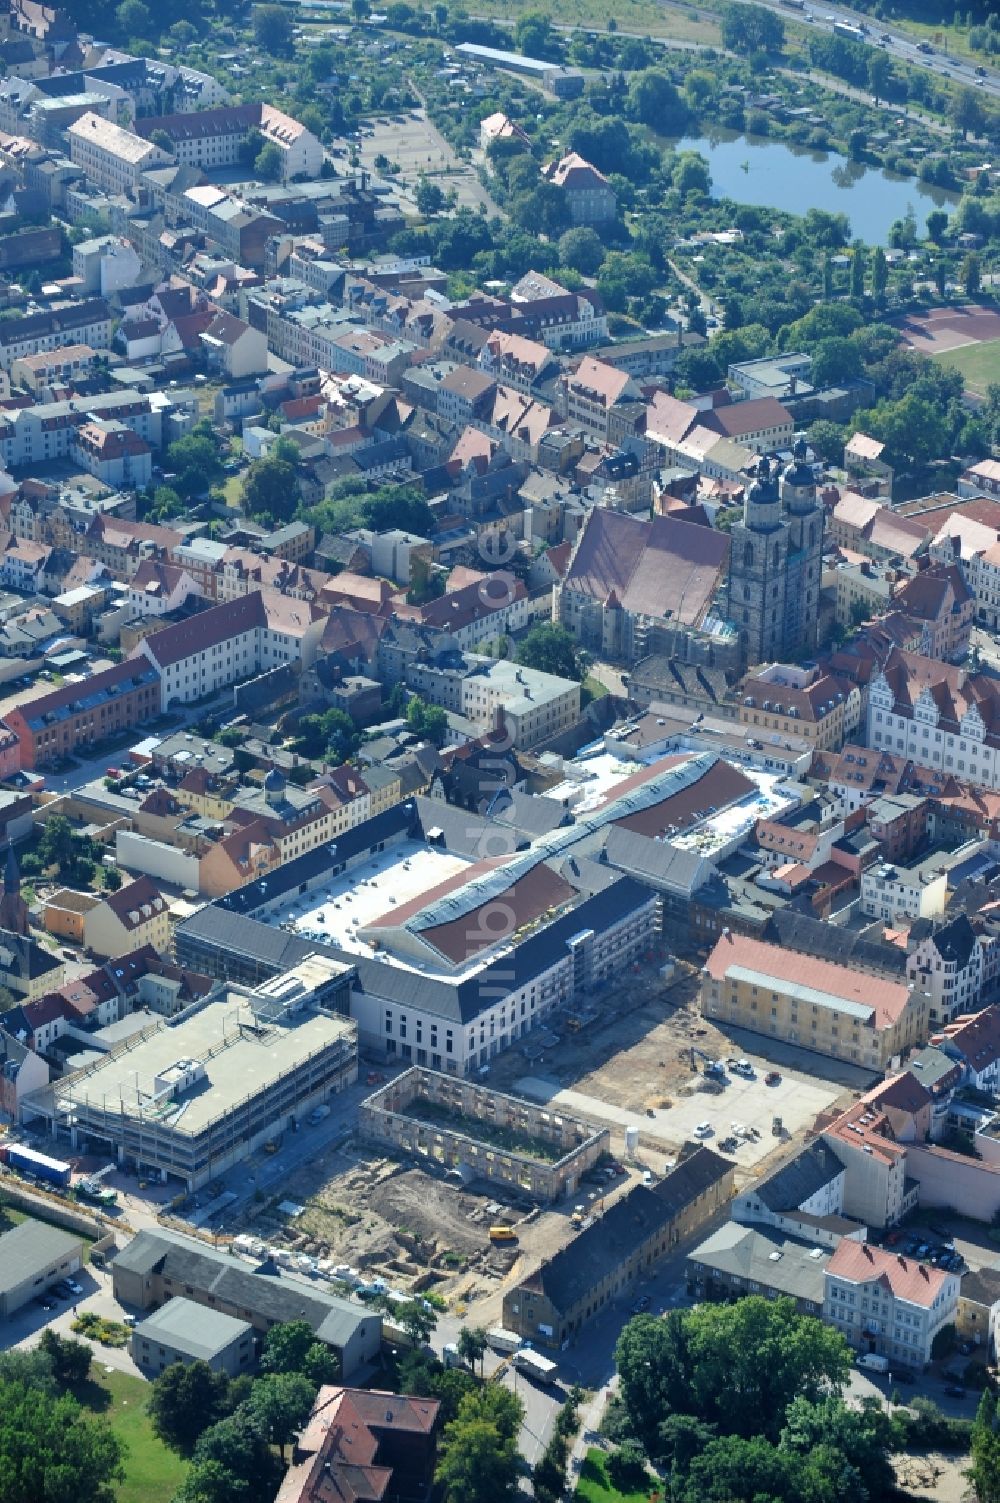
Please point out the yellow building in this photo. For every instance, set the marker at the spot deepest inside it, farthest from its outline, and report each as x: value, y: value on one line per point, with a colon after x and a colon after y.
x: 802, y: 702
x: 815, y: 1004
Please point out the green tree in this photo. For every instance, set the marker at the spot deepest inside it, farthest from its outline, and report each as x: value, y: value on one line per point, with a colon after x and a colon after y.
x: 268, y: 163
x: 281, y: 1402
x: 865, y: 1437
x: 750, y: 1359
x: 937, y: 225
x: 70, y: 1359
x: 653, y: 1369
x: 879, y: 74
x: 550, y: 648
x: 240, y: 1447
x: 195, y: 461
x: 184, y: 1400
x: 858, y: 272
x: 286, y: 1347
x: 751, y: 28
x: 478, y: 1453
x: 653, y: 100
x: 474, y: 1461
x: 533, y: 35
x: 429, y: 198
x: 880, y: 275
x: 582, y: 249
x: 472, y: 1345
x: 691, y: 173
x: 914, y: 429
x: 416, y: 1318
x: 166, y: 503
x: 835, y: 360
x: 134, y: 18
x: 971, y: 275
x: 272, y: 29
x: 51, y: 1453
x: 966, y: 113
x: 429, y: 721
x: 271, y: 490
x: 159, y: 137
x: 984, y: 1473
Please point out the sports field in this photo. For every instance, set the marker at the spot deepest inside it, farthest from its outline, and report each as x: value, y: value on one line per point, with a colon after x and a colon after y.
x: 979, y: 364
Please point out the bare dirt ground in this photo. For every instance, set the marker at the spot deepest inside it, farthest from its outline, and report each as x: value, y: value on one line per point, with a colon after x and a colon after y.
x: 933, y: 1474
x: 632, y: 1051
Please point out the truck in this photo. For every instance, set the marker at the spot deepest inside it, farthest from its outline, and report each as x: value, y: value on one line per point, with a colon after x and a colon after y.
x: 845, y: 29
x: 874, y: 1361
x: 503, y: 1341
x: 27, y: 1161
x: 535, y: 1366
x: 317, y: 1115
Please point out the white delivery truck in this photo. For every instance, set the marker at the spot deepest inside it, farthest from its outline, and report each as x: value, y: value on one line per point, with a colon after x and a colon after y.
x: 500, y: 1340
x: 874, y: 1362
x: 534, y: 1365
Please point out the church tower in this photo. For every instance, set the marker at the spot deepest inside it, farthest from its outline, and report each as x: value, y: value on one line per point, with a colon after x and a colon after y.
x: 13, y: 908
x: 757, y: 564
x: 805, y: 520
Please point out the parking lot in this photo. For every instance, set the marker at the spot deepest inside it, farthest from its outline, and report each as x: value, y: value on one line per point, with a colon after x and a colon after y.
x: 413, y: 144
x: 730, y: 1109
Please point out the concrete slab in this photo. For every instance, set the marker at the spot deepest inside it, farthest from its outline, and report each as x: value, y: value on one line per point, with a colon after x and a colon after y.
x: 797, y: 1099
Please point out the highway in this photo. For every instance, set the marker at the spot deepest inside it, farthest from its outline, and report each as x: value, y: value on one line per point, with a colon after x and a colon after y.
x: 898, y: 44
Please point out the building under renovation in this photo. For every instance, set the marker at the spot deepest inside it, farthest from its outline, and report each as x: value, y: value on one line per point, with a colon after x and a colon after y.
x: 482, y: 1133
x: 214, y: 1084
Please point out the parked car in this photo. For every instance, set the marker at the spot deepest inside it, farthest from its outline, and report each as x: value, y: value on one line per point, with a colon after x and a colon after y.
x: 903, y: 1375
x: 642, y: 1303
x: 773, y: 1077
x: 703, y: 1130
x: 45, y: 1302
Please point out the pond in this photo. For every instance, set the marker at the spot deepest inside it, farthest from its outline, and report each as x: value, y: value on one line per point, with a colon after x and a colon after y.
x: 757, y: 170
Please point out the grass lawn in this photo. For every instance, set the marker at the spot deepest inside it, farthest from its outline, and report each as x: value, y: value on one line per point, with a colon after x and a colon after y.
x: 643, y: 16
x: 233, y: 489
x: 594, y: 688
x: 978, y: 363
x: 595, y: 1487
x: 153, y: 1472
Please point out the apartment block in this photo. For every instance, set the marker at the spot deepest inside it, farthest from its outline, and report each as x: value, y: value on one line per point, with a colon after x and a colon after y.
x: 886, y: 1303
x: 113, y: 158
x: 77, y: 716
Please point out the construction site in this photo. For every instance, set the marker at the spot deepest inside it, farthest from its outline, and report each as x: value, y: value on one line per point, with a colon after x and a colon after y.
x: 481, y: 1134
x: 414, y: 1209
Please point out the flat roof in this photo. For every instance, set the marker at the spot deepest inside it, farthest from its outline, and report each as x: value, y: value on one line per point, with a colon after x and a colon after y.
x: 28, y: 1247
x: 237, y: 1064
x: 361, y: 895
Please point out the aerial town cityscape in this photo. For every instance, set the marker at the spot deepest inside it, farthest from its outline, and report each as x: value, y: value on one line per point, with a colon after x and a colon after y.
x: 499, y: 751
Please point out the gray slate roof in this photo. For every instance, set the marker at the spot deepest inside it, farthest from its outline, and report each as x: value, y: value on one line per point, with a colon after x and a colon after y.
x: 579, y: 1267
x: 797, y: 1181
x: 263, y: 1290
x: 748, y: 1253
x: 187, y: 1327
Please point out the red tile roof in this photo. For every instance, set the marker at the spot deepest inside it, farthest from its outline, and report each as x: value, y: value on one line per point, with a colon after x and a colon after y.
x: 884, y: 1000
x: 904, y: 1278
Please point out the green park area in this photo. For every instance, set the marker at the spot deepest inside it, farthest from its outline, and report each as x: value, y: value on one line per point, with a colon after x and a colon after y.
x: 595, y: 1486
x: 153, y: 1472
x: 979, y: 364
